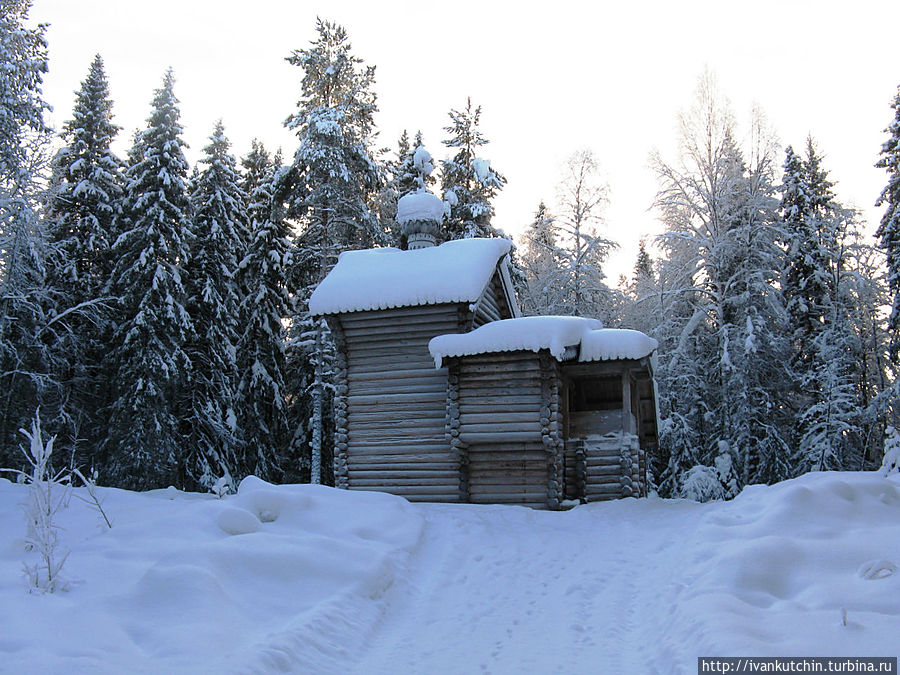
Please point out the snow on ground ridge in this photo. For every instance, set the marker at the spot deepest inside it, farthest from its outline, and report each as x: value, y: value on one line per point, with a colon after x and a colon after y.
x: 330, y: 581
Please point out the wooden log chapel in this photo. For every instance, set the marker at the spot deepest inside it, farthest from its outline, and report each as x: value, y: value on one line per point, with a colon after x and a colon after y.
x: 445, y: 393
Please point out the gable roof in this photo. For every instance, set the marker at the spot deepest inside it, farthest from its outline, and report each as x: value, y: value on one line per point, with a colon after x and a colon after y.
x: 385, y: 278
x: 554, y: 333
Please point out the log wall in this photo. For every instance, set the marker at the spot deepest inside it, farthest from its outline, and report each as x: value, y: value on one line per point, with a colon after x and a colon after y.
x: 507, y: 429
x: 392, y: 402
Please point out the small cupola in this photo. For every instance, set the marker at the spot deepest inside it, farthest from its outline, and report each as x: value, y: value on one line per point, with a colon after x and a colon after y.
x: 419, y: 214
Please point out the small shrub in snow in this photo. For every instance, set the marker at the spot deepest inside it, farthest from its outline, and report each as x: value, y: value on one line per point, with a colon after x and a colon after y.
x: 47, y: 494
x: 701, y: 484
x: 891, y: 461
x: 222, y: 486
x: 94, y: 500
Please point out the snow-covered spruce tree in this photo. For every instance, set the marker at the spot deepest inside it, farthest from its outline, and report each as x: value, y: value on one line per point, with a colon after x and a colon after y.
x: 328, y: 190
x: 82, y: 221
x: 888, y: 232
x: 26, y: 351
x: 151, y: 369
x: 582, y: 196
x: 212, y: 442
x: 541, y: 259
x: 468, y: 182
x: 722, y: 375
x: 262, y: 396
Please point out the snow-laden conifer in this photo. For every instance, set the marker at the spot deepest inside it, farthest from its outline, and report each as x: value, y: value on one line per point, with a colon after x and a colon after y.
x: 889, y: 229
x: 147, y: 358
x: 83, y: 219
x: 468, y: 182
x: 266, y: 304
x: 328, y: 189
x: 213, y: 446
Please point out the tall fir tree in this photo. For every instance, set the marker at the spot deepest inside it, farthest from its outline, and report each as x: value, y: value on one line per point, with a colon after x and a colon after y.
x: 888, y: 232
x: 212, y: 440
x: 263, y: 274
x: 468, y: 182
x: 150, y: 366
x: 722, y: 375
x: 83, y: 219
x: 28, y: 321
x: 328, y: 189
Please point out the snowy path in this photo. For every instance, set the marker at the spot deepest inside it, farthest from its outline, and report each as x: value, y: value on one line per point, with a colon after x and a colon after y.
x: 498, y: 589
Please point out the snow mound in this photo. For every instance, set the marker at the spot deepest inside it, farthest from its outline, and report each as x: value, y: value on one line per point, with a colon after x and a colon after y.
x: 237, y: 521
x: 169, y: 590
x: 384, y: 278
x: 792, y: 568
x: 421, y: 205
x: 555, y: 333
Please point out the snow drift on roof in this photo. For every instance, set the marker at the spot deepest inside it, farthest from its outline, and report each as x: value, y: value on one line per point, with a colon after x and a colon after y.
x: 615, y: 343
x: 554, y: 333
x: 384, y: 278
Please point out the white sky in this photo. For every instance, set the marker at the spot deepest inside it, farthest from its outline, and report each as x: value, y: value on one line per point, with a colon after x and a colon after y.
x: 551, y: 79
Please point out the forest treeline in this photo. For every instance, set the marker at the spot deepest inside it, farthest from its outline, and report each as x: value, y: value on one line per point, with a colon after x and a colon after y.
x: 156, y: 313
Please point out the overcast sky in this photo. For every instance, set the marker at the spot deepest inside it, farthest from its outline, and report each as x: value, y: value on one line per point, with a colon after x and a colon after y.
x: 551, y: 79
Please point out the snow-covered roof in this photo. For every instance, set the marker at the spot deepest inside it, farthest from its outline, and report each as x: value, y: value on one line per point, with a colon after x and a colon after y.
x: 384, y: 278
x: 555, y: 333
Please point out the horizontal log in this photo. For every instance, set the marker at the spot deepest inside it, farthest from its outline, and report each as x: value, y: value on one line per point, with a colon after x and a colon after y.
x: 410, y: 438
x: 502, y: 416
x: 513, y: 376
x: 404, y: 490
x: 391, y: 425
x: 603, y: 471
x: 433, y: 323
x: 356, y: 465
x: 399, y: 387
x: 435, y: 409
x: 365, y: 414
x: 384, y: 399
x: 498, y: 357
x: 508, y: 497
x: 412, y: 450
x: 472, y: 393
x: 524, y: 481
x: 393, y: 482
x: 499, y: 368
x: 500, y: 427
x: 508, y: 402
x: 487, y: 438
x: 377, y: 374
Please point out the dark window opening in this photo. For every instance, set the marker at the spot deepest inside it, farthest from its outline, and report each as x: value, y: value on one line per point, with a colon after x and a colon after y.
x: 595, y: 393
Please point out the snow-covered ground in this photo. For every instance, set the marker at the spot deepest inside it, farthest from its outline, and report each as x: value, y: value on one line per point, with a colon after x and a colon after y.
x: 314, y: 580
